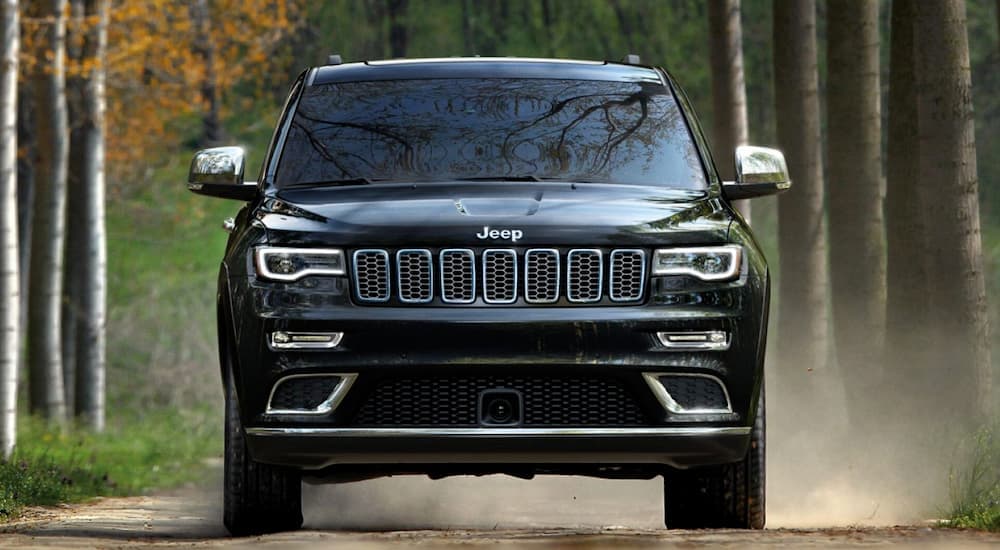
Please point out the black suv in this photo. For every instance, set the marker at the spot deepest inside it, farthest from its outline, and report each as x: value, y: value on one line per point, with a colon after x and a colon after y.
x: 478, y: 266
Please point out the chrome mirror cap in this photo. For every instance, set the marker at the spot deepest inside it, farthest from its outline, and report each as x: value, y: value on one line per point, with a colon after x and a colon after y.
x: 218, y: 165
x: 758, y: 165
x: 218, y: 172
x: 759, y: 171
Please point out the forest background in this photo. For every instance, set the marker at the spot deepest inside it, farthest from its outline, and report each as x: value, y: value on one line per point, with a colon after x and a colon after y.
x: 185, y: 75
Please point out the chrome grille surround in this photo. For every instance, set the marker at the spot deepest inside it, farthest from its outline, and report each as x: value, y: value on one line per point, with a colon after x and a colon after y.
x: 371, y: 275
x: 500, y: 276
x: 414, y: 276
x: 458, y: 275
x: 628, y: 275
x: 584, y: 275
x: 542, y: 276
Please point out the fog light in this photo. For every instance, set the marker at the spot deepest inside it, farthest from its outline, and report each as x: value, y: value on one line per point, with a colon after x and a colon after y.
x: 305, y: 340
x: 712, y: 340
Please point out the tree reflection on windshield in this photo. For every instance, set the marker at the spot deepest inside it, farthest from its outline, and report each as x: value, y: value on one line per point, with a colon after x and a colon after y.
x: 618, y: 132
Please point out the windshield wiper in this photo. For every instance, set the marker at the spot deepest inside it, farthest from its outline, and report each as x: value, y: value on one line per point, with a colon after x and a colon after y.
x: 499, y: 178
x: 330, y: 183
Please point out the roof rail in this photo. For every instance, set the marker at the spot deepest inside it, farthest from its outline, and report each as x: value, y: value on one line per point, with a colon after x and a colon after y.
x: 631, y: 59
x: 334, y: 59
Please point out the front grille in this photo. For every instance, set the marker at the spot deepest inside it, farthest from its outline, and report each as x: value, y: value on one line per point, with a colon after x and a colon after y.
x: 695, y: 393
x: 454, y: 400
x: 535, y: 276
x: 302, y: 393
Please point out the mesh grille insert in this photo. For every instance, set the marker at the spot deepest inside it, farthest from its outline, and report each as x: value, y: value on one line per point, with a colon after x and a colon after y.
x: 628, y: 275
x: 302, y: 393
x: 371, y: 275
x: 453, y: 401
x: 414, y: 274
x: 499, y: 276
x: 584, y: 275
x: 458, y: 276
x: 696, y: 392
x: 541, y: 276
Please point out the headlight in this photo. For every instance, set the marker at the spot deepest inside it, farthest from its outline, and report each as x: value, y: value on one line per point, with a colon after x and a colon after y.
x: 290, y: 264
x: 708, y: 263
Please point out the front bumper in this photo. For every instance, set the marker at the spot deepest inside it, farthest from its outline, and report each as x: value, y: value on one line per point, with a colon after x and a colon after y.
x: 318, y: 448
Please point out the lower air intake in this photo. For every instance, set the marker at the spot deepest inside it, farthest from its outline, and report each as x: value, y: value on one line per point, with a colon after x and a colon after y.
x: 694, y: 394
x: 305, y: 394
x: 431, y: 401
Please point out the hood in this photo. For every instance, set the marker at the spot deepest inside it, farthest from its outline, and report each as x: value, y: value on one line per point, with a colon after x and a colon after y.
x: 493, y: 214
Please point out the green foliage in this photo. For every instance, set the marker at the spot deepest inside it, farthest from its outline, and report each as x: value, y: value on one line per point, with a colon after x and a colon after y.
x: 155, y: 449
x: 975, y: 489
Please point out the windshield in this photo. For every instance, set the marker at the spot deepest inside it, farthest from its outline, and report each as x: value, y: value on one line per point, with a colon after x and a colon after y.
x: 518, y: 129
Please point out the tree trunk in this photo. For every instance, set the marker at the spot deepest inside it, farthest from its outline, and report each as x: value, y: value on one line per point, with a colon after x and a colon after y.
x: 26, y: 160
x: 802, y: 315
x: 73, y: 248
x: 90, y: 325
x: 45, y: 292
x: 10, y: 290
x: 468, y: 27
x: 907, y: 306
x: 211, y: 123
x: 624, y: 25
x: 960, y: 344
x: 854, y: 169
x: 729, y: 93
x: 398, y: 38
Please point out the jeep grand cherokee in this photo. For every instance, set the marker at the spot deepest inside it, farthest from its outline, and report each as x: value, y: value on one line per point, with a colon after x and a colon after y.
x: 478, y: 266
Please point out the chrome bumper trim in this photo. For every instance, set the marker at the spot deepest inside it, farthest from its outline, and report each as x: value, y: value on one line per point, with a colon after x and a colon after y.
x: 488, y: 432
x: 667, y: 401
x: 326, y: 407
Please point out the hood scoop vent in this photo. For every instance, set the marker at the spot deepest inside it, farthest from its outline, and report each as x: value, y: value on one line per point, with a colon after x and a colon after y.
x: 498, y: 207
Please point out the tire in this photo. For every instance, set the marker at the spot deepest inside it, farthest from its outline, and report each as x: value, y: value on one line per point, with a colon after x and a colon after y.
x: 726, y: 496
x: 258, y: 498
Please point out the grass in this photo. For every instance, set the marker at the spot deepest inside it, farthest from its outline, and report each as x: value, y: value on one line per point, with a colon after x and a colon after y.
x: 164, y: 395
x: 160, y: 449
x: 975, y: 490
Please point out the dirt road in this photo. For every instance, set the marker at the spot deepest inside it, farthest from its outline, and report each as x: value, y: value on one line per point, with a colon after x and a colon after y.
x: 568, y: 512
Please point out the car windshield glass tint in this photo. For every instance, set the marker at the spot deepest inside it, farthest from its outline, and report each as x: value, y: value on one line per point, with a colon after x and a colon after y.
x: 507, y: 129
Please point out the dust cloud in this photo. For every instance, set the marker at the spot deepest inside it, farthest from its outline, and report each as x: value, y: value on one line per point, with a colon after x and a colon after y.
x: 822, y: 472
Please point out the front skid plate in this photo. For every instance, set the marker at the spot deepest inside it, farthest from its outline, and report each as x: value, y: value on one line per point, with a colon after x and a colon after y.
x: 318, y: 448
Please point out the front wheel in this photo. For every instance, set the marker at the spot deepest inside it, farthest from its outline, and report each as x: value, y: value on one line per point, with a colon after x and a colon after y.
x: 726, y: 496
x: 258, y: 498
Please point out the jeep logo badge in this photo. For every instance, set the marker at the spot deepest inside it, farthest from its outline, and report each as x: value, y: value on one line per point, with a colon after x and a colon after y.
x: 513, y: 234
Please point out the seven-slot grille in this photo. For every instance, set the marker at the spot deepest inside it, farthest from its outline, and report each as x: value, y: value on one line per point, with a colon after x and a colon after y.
x: 499, y: 275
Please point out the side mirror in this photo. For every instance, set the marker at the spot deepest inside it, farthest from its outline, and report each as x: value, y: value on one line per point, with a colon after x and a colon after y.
x: 759, y: 171
x: 218, y: 172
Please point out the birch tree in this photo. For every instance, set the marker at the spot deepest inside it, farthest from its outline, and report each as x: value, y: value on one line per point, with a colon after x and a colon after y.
x: 90, y: 325
x: 10, y: 293
x: 48, y: 222
x: 802, y: 313
x: 960, y: 342
x: 729, y: 94
x: 854, y: 168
